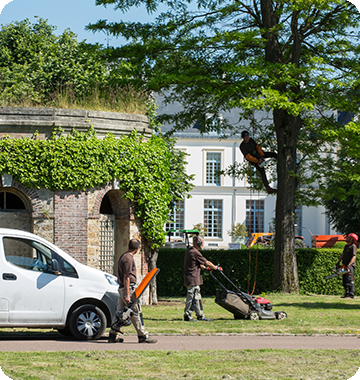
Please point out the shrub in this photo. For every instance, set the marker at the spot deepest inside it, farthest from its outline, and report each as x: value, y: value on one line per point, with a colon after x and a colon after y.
x: 39, y: 68
x: 238, y: 230
x: 339, y: 245
x: 313, y: 266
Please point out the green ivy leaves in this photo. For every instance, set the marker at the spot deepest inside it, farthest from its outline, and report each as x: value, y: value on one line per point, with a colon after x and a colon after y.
x: 81, y: 161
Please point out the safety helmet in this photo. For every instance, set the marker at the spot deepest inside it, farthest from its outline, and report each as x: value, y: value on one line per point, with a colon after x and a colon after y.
x: 199, y: 240
x: 244, y: 133
x: 354, y: 237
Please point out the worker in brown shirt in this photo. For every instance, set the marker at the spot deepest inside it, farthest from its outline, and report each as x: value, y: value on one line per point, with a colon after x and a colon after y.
x: 193, y: 263
x: 127, y: 286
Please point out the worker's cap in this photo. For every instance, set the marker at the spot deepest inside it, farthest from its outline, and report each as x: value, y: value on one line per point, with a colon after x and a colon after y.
x: 198, y: 240
x: 244, y: 133
x: 354, y: 237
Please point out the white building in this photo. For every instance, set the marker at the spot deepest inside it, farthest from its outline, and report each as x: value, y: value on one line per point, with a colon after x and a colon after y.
x: 220, y: 202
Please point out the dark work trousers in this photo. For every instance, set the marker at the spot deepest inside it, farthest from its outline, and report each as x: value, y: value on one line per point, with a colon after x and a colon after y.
x: 262, y: 170
x: 348, y: 283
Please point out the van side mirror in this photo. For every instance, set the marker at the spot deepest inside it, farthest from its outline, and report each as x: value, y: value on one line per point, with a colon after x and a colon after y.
x: 55, y: 267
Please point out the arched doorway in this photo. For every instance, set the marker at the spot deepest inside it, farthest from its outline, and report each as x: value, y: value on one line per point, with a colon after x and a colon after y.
x: 15, y: 209
x: 115, y: 230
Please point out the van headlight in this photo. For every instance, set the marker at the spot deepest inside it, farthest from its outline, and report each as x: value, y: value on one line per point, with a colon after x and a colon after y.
x: 111, y: 279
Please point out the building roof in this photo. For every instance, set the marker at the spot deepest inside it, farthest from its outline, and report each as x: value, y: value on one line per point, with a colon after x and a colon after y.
x: 194, y: 132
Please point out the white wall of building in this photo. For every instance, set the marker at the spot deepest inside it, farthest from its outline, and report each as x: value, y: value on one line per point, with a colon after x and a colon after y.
x: 233, y: 193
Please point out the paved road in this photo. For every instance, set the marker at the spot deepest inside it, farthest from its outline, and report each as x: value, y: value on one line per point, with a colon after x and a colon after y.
x: 165, y: 342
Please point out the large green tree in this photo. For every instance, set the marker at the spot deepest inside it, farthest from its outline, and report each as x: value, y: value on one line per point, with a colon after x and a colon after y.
x: 293, y: 58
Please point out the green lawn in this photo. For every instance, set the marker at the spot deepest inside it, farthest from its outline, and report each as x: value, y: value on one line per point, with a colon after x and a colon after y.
x: 165, y: 365
x: 310, y: 315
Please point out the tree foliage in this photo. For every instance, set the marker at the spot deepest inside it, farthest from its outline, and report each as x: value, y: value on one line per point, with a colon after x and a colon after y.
x: 145, y: 170
x: 295, y: 59
x: 39, y: 68
x: 343, y: 209
x: 238, y: 230
x: 341, y: 193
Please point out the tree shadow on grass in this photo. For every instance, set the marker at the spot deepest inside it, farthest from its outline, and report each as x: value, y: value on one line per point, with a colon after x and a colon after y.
x: 179, y: 319
x: 321, y: 305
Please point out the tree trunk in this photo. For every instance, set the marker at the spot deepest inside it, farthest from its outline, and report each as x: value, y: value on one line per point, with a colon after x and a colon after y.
x: 287, y: 129
x: 153, y: 287
x: 285, y: 264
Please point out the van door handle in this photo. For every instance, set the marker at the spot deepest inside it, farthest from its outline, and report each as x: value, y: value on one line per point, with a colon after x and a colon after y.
x: 9, y: 277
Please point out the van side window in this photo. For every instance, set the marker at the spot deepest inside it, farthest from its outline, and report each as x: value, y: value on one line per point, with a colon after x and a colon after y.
x: 66, y: 268
x: 28, y: 254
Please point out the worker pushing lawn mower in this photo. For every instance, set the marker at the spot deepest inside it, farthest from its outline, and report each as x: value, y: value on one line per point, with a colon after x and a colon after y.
x: 243, y: 305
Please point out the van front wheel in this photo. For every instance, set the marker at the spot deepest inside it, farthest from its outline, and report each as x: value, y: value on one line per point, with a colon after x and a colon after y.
x: 87, y: 322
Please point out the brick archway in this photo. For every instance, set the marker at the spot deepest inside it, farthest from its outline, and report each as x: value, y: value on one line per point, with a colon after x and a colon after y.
x: 38, y: 208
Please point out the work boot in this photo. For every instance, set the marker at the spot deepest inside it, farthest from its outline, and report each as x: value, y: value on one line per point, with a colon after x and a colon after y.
x: 113, y: 338
x: 145, y: 339
x: 203, y: 318
x: 270, y: 190
x: 189, y: 319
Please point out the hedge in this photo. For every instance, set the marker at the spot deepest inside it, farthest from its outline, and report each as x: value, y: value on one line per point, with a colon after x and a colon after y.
x: 313, y: 266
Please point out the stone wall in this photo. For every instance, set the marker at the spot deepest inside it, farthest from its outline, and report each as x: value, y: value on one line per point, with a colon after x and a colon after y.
x: 71, y: 219
x: 24, y: 122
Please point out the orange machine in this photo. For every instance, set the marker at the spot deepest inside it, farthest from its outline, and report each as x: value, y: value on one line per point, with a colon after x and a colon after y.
x: 255, y: 236
x: 123, y: 316
x: 325, y: 241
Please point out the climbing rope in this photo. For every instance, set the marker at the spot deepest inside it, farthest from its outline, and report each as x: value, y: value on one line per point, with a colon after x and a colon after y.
x: 251, y: 224
x: 257, y: 244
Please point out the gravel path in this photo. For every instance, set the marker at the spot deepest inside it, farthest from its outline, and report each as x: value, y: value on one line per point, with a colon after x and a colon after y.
x: 179, y: 342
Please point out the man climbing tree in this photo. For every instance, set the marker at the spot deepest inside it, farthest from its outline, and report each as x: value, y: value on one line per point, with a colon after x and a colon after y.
x: 294, y: 59
x: 255, y: 155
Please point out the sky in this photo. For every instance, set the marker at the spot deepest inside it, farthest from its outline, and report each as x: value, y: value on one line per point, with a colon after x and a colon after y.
x: 73, y: 14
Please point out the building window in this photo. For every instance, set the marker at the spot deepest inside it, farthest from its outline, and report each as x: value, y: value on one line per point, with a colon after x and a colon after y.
x: 213, y: 166
x: 254, y: 216
x: 176, y: 218
x: 11, y: 202
x: 213, y: 217
x: 213, y: 123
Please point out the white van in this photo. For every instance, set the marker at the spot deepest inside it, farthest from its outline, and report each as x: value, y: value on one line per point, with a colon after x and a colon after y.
x: 43, y: 287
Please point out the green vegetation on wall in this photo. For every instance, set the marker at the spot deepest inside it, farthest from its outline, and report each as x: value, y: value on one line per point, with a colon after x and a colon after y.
x: 313, y: 266
x: 82, y: 161
x: 41, y: 69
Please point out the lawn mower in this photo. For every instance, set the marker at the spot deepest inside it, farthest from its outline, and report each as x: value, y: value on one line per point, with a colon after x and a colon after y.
x: 242, y: 305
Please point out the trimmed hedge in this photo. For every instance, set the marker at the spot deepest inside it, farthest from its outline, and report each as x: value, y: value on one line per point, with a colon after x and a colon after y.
x: 313, y: 266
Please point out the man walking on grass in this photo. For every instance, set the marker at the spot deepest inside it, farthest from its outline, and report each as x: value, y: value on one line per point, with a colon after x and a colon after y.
x: 194, y: 262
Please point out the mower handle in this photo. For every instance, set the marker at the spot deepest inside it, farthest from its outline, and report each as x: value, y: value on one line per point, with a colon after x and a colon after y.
x: 227, y: 278
x: 218, y: 268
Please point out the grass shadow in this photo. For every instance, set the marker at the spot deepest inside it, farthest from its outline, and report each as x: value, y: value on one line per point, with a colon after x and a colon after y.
x: 321, y: 305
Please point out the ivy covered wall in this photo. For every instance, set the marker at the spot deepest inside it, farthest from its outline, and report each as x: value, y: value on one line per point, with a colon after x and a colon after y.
x: 81, y: 161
